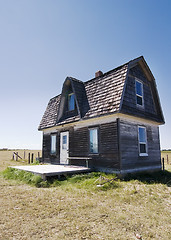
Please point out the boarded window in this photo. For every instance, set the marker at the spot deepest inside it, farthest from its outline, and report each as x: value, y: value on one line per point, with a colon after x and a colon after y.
x: 53, y: 144
x: 139, y: 93
x: 71, y: 102
x: 142, y: 141
x: 93, y: 133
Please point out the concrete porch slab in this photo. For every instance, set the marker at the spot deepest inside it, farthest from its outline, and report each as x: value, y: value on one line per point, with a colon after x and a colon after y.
x: 53, y: 170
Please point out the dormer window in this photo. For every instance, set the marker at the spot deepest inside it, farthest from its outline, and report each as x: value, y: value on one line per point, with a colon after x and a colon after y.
x: 139, y: 93
x: 71, y: 102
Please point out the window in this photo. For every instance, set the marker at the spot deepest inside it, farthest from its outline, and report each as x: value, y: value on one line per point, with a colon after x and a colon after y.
x: 53, y: 144
x: 64, y: 142
x: 139, y: 93
x: 71, y: 102
x: 93, y: 134
x: 142, y: 141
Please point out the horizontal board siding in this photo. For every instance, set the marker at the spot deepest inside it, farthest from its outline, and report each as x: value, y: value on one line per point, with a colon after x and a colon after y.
x: 130, y: 146
x: 79, y: 141
x: 109, y: 142
x: 46, y: 145
x: 108, y: 146
x: 47, y: 156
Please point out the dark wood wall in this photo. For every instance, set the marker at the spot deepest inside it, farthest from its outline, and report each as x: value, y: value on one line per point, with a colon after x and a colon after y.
x: 129, y: 106
x: 46, y: 153
x: 129, y: 146
x: 110, y: 152
x: 107, y: 157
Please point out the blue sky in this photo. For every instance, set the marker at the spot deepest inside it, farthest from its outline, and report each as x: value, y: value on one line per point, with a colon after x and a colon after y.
x: 42, y: 42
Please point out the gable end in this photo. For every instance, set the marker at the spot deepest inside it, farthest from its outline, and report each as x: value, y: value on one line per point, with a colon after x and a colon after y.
x: 148, y: 105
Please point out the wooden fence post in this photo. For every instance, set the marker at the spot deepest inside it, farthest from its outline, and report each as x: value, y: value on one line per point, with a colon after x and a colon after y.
x: 32, y: 155
x: 16, y: 156
x: 13, y: 156
x: 163, y: 164
x: 28, y: 158
x: 167, y: 159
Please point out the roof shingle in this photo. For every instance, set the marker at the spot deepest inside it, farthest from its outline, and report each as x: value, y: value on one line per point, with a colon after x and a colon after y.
x: 99, y: 96
x: 95, y: 97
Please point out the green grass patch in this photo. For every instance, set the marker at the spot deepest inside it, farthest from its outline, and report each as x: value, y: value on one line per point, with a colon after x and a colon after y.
x: 95, y: 181
x: 91, y: 181
x: 25, y: 177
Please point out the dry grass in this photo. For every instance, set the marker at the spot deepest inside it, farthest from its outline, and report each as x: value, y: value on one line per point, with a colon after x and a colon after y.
x: 167, y: 158
x: 6, y: 156
x: 76, y: 213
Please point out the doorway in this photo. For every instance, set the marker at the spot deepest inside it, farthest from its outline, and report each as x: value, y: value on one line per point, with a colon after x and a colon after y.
x: 64, y: 147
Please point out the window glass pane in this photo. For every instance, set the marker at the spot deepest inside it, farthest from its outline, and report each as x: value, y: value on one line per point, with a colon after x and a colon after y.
x: 93, y: 141
x: 64, y: 142
x: 142, y: 148
x: 53, y: 144
x: 139, y: 100
x: 71, y: 102
x: 139, y: 88
x: 142, y: 135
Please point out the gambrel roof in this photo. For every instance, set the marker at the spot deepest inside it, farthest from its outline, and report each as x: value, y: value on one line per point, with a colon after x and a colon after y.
x: 103, y: 95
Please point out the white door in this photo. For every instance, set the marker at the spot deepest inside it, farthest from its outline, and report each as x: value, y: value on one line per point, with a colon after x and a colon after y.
x: 64, y: 147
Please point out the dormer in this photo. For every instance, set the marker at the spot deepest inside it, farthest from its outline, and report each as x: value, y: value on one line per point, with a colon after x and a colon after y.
x: 72, y: 98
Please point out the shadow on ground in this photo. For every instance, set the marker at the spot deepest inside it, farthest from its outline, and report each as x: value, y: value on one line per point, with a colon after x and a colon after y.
x: 163, y: 177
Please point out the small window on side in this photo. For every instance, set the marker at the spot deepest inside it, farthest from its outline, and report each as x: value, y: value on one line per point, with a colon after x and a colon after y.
x: 53, y: 144
x: 71, y: 102
x: 142, y: 141
x: 93, y: 140
x: 139, y: 93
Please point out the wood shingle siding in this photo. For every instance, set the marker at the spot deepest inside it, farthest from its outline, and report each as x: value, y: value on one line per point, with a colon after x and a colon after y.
x: 129, y: 102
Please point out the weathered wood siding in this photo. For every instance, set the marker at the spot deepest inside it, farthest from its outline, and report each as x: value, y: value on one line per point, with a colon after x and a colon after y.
x: 110, y: 152
x: 107, y: 158
x: 46, y: 153
x: 129, y: 100
x: 129, y: 146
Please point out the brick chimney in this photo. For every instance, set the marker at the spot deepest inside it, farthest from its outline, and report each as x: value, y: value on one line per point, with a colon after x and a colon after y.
x: 98, y: 73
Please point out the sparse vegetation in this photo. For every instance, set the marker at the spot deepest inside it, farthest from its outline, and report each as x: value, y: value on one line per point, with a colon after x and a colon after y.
x: 76, y: 208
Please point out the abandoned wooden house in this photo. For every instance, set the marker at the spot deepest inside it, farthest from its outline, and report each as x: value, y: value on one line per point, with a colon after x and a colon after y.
x: 112, y: 121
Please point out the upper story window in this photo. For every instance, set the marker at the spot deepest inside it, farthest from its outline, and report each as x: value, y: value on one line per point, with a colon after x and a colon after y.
x: 71, y: 101
x: 93, y: 137
x: 139, y: 93
x: 53, y: 144
x: 142, y: 141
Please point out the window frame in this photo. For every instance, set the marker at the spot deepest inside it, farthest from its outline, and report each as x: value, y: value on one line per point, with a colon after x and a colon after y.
x: 54, y: 144
x: 137, y: 95
x: 139, y: 143
x: 97, y: 129
x: 69, y: 95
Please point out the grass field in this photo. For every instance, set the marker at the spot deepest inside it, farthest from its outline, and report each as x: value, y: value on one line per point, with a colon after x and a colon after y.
x: 6, y: 156
x: 167, y: 159
x: 75, y: 211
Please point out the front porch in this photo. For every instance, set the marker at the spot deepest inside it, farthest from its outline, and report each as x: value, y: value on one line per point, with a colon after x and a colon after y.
x: 53, y: 170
